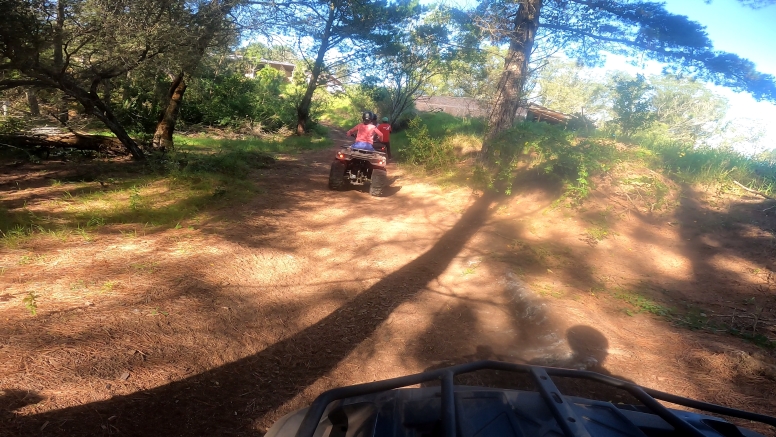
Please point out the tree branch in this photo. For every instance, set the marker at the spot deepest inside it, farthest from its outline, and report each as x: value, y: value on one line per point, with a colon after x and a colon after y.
x: 759, y: 193
x: 9, y: 84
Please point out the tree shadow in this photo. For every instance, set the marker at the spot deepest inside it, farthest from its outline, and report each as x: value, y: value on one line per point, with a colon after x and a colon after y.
x: 233, y: 398
x: 11, y: 399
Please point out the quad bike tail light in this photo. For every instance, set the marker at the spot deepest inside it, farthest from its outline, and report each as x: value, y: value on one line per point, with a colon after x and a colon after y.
x: 340, y: 155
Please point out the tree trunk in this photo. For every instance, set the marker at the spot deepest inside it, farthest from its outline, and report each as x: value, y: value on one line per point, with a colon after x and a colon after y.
x: 164, y: 130
x: 32, y: 101
x: 97, y: 143
x: 107, y: 91
x: 303, y: 110
x: 166, y: 126
x: 63, y: 110
x: 93, y: 105
x: 106, y: 116
x: 58, y: 30
x: 510, y: 85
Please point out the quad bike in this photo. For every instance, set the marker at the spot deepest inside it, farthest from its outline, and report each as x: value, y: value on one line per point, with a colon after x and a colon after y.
x: 383, y: 408
x: 358, y: 167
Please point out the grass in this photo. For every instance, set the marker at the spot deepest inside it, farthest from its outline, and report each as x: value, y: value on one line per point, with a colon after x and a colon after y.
x: 691, y: 317
x: 463, y: 133
x: 108, y: 286
x: 598, y: 232
x: 704, y: 165
x: 577, y: 160
x: 149, y: 267
x: 30, y: 302
x: 280, y: 144
x: 640, y: 303
x: 202, y: 173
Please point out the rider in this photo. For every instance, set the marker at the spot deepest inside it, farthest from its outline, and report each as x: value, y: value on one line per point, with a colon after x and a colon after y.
x: 385, y: 129
x: 365, y: 132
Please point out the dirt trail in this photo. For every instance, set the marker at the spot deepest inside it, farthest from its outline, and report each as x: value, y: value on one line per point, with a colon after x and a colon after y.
x: 226, y: 327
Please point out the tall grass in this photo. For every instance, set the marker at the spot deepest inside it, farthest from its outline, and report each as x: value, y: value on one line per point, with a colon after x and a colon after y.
x: 706, y: 165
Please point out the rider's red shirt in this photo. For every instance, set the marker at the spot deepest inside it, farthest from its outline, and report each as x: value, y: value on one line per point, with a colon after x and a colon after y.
x: 366, y: 132
x: 385, y: 128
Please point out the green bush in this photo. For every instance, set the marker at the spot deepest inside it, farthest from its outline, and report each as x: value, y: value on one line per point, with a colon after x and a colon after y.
x: 12, y: 125
x: 555, y: 151
x: 433, y: 154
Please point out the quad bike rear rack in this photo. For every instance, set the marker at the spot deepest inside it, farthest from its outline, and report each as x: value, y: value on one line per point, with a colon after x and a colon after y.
x: 569, y: 422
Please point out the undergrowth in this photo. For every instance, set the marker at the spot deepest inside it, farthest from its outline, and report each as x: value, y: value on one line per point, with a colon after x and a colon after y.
x: 691, y: 318
x: 434, y: 142
x: 168, y: 189
x: 551, y: 150
x: 705, y: 165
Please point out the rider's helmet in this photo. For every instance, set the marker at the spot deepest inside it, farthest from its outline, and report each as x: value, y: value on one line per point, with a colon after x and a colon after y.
x: 386, y: 120
x: 374, y: 118
x: 367, y: 117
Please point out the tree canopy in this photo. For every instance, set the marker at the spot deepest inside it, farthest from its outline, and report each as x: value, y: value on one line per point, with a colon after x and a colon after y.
x: 587, y: 29
x: 353, y: 27
x: 76, y: 46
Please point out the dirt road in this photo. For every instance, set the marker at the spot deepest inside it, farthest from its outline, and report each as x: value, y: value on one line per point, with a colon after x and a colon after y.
x: 222, y: 327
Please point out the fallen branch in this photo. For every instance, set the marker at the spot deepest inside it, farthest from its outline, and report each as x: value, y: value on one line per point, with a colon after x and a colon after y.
x: 744, y: 316
x: 745, y: 188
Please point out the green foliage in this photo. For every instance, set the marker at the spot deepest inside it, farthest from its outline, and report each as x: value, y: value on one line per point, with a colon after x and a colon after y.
x: 30, y: 302
x: 556, y: 152
x: 11, y: 125
x: 474, y: 73
x: 642, y: 304
x: 631, y: 105
x: 233, y: 100
x: 708, y: 165
x: 220, y: 101
x: 433, y: 154
x: 200, y: 174
x: 598, y: 232
x: 564, y: 86
x: 686, y: 110
x: 340, y: 112
x: 256, y: 52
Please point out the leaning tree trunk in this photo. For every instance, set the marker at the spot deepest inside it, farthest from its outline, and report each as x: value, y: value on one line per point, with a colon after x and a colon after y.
x: 510, y: 85
x: 303, y: 110
x: 93, y: 105
x: 164, y: 130
x: 107, y: 91
x: 102, y: 112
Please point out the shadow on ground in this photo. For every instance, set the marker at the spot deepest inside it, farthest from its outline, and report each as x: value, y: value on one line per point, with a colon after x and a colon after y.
x: 225, y: 400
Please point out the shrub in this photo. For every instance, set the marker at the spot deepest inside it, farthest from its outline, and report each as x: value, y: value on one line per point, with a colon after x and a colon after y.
x: 12, y: 125
x: 431, y: 153
x: 555, y: 151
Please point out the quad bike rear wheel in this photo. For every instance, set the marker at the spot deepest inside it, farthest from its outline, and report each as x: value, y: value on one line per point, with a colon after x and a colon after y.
x: 337, y: 175
x: 379, y: 182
